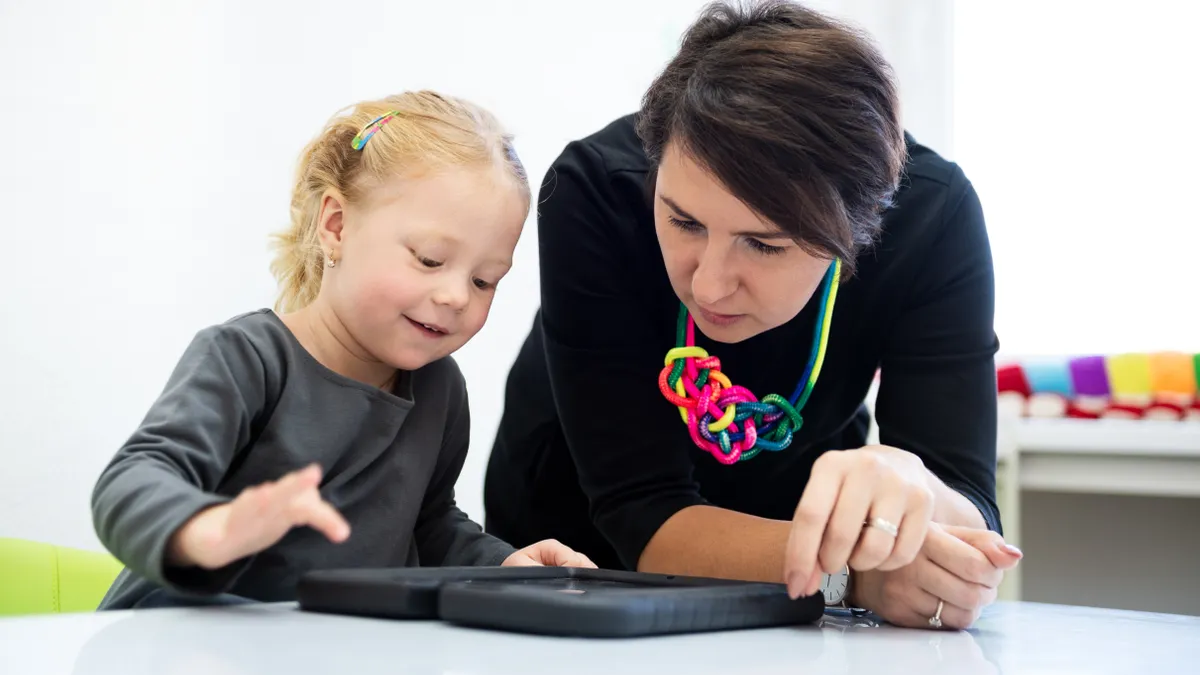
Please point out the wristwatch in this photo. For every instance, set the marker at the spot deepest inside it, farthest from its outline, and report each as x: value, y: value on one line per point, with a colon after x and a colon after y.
x: 836, y: 588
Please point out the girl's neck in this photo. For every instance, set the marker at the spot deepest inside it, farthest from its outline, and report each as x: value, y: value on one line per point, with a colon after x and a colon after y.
x: 323, y: 335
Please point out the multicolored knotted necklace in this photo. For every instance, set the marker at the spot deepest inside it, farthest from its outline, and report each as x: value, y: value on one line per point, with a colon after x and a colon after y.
x: 725, y: 419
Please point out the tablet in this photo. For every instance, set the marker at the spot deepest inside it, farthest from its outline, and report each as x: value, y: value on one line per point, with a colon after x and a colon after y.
x: 566, y: 601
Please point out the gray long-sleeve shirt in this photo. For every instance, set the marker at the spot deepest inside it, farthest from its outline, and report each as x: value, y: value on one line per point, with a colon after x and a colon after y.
x: 246, y: 405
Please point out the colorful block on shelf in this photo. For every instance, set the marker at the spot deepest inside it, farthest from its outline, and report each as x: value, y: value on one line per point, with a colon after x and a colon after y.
x: 1157, y: 386
x: 1089, y: 376
x: 1049, y: 376
x: 1173, y: 373
x: 1011, y: 379
x: 1129, y: 378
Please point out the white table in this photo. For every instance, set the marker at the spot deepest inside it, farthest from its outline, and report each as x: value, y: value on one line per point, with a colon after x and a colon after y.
x: 1012, y: 638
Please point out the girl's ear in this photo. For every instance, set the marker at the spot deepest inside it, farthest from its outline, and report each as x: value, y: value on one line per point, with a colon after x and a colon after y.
x: 331, y: 223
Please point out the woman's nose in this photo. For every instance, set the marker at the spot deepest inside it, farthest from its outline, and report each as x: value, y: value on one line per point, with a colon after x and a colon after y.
x: 713, y: 280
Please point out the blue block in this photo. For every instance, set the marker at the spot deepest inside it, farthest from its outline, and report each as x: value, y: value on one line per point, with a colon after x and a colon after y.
x: 1049, y: 376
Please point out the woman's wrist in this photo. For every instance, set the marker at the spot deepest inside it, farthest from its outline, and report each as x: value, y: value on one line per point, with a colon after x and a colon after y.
x: 950, y: 507
x: 854, y: 591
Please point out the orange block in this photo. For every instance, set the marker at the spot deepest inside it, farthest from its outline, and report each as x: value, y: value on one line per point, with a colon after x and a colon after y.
x: 1172, y: 373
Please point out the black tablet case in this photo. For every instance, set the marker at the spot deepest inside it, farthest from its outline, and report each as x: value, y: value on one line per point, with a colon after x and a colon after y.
x: 565, y: 601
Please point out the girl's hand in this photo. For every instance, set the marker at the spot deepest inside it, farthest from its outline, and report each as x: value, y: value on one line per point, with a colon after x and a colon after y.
x: 957, y: 566
x: 255, y: 520
x: 846, y: 516
x: 548, y: 553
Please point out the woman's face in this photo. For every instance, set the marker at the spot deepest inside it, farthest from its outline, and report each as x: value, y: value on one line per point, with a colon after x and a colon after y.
x: 738, y: 275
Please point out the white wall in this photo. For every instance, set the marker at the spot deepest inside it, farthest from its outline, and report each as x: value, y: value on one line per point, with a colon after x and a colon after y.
x: 148, y: 149
x: 1079, y: 131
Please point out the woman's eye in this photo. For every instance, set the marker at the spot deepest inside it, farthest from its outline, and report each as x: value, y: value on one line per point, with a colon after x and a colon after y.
x: 765, y: 249
x: 685, y: 225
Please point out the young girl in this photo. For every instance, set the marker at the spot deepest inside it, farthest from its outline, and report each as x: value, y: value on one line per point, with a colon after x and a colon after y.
x: 345, y: 412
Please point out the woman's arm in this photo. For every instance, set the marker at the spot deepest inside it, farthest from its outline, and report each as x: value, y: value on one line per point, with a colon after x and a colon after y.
x: 751, y: 548
x: 937, y: 395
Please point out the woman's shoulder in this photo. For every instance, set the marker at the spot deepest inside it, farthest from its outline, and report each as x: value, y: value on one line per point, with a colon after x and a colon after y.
x: 929, y: 182
x: 935, y: 221
x: 593, y: 201
x: 929, y: 201
x: 605, y: 169
x: 613, y: 149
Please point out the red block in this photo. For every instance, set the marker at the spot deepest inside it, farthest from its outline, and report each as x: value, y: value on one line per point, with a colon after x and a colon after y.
x: 1012, y: 378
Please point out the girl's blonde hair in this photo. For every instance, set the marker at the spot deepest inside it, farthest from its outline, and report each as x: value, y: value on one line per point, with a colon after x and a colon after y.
x: 427, y: 131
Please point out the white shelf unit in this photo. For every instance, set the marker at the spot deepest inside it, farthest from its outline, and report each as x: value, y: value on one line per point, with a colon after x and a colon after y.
x: 1113, y: 457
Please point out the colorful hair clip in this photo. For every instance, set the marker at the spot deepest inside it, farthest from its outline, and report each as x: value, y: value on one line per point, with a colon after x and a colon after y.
x: 361, y: 138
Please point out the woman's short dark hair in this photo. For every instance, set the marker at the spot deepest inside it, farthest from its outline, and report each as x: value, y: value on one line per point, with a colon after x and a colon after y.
x: 795, y: 113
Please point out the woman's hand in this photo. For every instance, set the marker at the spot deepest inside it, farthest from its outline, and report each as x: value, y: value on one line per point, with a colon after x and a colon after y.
x: 548, y: 553
x: 879, y: 486
x: 255, y: 520
x: 958, y: 566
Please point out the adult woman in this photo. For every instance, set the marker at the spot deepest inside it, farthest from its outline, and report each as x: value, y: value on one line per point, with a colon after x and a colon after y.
x: 767, y: 192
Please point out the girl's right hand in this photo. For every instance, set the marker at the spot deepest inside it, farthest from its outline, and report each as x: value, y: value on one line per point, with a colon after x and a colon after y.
x: 255, y: 520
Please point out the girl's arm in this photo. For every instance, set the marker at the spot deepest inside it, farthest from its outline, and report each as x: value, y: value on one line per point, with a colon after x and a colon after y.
x: 171, y: 466
x: 445, y: 536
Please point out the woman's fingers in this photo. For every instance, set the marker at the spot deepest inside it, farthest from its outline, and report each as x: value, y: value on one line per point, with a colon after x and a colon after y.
x: 808, y: 525
x: 880, y: 518
x: 947, y: 570
x: 878, y: 545
x: 960, y: 558
x: 925, y: 606
x: 990, y: 544
x: 899, y: 597
x: 846, y: 539
x: 955, y: 590
x: 913, y: 527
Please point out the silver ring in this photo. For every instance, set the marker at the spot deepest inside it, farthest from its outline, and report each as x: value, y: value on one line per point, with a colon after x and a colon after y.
x: 885, y: 525
x: 935, y: 621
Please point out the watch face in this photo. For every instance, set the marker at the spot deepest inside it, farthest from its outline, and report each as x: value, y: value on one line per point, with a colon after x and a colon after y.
x: 834, y: 587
